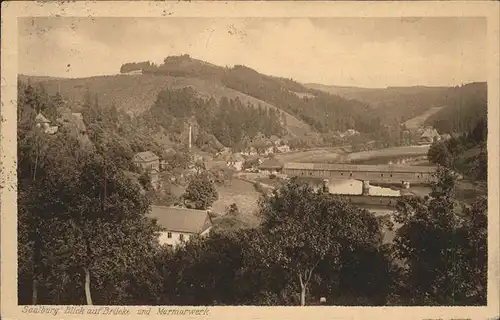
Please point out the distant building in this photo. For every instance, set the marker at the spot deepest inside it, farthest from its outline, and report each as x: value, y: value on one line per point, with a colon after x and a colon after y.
x: 250, y: 151
x: 271, y: 166
x: 283, y: 148
x: 268, y: 150
x: 147, y: 161
x: 236, y: 161
x: 43, y: 123
x: 428, y: 136
x: 180, y: 224
x: 445, y: 136
x: 133, y: 72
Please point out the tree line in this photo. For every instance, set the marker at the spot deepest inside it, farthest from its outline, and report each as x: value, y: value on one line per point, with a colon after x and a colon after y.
x: 229, y: 121
x: 466, y: 153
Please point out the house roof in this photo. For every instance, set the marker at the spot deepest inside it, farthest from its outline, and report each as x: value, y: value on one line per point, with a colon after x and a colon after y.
x: 271, y: 164
x: 429, y: 133
x: 40, y: 118
x: 146, y: 156
x: 181, y: 219
x: 362, y: 168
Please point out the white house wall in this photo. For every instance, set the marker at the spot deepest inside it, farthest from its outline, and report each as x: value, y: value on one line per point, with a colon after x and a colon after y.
x: 175, y: 240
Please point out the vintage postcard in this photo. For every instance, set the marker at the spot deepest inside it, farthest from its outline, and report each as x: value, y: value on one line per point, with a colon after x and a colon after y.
x: 256, y: 160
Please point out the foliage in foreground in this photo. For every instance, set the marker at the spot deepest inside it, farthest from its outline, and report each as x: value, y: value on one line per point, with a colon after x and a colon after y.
x: 83, y: 237
x: 443, y: 245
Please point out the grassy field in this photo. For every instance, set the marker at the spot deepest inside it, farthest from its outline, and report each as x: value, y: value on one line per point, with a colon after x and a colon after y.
x: 320, y: 155
x: 406, y: 151
x: 419, y: 121
x: 335, y: 155
x: 240, y: 192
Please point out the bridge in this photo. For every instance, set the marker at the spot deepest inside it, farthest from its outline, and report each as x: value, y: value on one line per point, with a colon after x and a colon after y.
x: 385, y: 174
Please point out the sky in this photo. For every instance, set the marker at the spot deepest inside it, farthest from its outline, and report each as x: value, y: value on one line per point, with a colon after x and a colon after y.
x: 363, y: 52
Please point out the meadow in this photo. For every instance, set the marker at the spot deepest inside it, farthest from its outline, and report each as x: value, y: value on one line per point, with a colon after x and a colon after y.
x: 243, y: 194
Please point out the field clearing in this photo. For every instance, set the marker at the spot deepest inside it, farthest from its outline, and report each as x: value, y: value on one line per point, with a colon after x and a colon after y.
x: 240, y: 192
x: 407, y: 151
x: 322, y: 155
x: 419, y: 121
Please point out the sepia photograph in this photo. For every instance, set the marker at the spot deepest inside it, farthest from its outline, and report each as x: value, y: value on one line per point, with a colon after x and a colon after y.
x: 251, y: 161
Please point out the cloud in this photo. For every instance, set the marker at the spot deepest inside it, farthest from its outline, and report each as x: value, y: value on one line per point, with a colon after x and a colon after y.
x: 363, y: 52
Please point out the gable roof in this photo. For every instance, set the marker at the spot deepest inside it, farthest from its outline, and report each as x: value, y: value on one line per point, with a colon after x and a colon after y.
x: 429, y: 133
x: 146, y: 156
x: 40, y: 118
x: 181, y: 219
x: 271, y: 164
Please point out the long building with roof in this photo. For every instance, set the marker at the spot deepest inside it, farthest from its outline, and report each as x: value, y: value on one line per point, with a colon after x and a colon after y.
x: 372, y: 173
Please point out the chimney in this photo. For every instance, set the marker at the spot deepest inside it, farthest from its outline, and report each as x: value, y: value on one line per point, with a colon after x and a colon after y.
x: 190, y: 132
x: 366, y: 188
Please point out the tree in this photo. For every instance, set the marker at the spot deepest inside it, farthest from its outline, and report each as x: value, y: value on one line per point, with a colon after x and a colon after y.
x: 301, y: 228
x: 442, y: 245
x: 232, y: 210
x: 439, y: 154
x: 201, y: 191
x: 81, y: 210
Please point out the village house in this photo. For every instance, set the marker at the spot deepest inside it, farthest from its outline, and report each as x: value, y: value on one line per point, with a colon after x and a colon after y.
x: 283, y: 148
x: 268, y: 150
x: 236, y: 161
x: 42, y: 122
x: 147, y: 161
x: 180, y: 224
x: 428, y: 136
x: 250, y: 152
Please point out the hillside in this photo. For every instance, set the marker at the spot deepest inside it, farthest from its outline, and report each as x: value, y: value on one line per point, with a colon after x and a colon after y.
x: 405, y: 103
x: 323, y: 112
x: 420, y: 120
x: 465, y: 108
x: 137, y: 93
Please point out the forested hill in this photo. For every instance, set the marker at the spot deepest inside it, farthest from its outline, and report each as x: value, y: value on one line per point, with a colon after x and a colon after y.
x: 302, y: 110
x: 466, y: 106
x: 324, y: 112
x: 135, y: 94
x: 404, y: 103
